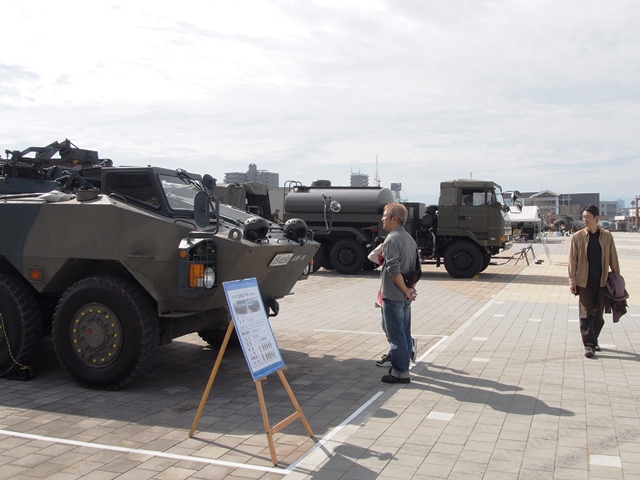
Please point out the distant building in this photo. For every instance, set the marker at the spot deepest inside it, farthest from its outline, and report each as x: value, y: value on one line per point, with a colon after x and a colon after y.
x: 551, y: 204
x: 270, y: 179
x: 609, y: 210
x: 359, y: 180
x: 548, y: 202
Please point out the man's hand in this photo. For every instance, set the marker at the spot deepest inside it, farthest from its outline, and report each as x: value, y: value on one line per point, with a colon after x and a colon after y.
x: 574, y: 289
x: 411, y: 294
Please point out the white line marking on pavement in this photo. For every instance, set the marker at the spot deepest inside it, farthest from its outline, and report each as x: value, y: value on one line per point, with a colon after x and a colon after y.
x: 446, y: 417
x: 333, y: 432
x: 480, y: 359
x: 499, y: 315
x: 365, y: 333
x: 444, y: 344
x: 424, y: 355
x: 535, y: 319
x: 152, y: 453
x: 605, y: 460
x: 480, y: 339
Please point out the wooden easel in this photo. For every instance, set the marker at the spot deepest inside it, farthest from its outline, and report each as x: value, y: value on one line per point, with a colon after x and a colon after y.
x: 270, y: 430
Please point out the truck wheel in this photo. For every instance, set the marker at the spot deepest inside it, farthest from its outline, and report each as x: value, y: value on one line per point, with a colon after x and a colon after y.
x: 486, y: 260
x: 463, y: 260
x: 318, y: 259
x: 20, y: 324
x: 326, y: 264
x: 348, y: 256
x: 105, y: 332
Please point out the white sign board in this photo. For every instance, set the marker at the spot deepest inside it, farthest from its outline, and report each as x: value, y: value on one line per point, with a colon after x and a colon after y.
x: 253, y: 328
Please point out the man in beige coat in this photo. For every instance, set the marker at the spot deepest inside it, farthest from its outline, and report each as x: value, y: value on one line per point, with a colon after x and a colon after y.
x: 593, y: 253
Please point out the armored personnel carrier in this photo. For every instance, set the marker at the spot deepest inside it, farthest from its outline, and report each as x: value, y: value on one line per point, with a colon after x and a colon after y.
x: 128, y: 259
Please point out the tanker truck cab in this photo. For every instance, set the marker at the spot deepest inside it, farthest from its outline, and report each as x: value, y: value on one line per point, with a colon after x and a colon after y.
x: 470, y: 227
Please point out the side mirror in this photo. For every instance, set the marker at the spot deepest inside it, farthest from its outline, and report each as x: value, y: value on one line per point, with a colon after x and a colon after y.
x: 201, y: 212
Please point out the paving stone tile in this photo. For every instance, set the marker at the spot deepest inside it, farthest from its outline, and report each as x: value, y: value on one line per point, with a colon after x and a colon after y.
x: 524, y: 414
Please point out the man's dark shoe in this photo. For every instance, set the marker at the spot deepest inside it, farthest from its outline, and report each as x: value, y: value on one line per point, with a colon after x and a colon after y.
x: 393, y: 379
x: 385, y: 361
x: 597, y: 348
x: 588, y: 352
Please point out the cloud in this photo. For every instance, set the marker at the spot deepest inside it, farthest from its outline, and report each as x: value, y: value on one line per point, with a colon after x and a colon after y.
x: 527, y: 94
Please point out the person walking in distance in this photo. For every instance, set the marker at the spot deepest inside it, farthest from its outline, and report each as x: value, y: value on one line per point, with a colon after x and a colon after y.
x: 592, y: 254
x: 400, y: 254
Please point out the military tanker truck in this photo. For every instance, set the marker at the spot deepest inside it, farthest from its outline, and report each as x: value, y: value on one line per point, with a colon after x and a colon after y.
x: 114, y: 272
x: 463, y: 231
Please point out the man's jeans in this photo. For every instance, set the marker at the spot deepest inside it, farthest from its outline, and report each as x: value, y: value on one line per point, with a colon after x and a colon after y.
x: 397, y: 318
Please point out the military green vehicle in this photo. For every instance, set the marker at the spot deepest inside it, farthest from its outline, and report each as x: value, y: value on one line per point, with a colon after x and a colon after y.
x: 464, y: 231
x: 59, y: 165
x: 113, y: 272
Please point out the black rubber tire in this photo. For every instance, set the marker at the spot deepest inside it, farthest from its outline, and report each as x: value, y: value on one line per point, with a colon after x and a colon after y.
x: 348, y: 256
x: 20, y: 324
x: 318, y: 259
x: 463, y: 259
x: 326, y: 264
x: 215, y: 337
x: 486, y: 260
x: 136, y: 318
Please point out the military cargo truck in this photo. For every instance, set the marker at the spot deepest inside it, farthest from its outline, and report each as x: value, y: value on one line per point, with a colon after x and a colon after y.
x: 115, y: 271
x: 464, y: 231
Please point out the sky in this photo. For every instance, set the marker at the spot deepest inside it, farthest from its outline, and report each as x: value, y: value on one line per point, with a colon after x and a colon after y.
x: 536, y: 95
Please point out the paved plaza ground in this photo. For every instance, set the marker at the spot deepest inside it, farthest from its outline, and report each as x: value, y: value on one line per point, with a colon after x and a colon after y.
x: 500, y: 389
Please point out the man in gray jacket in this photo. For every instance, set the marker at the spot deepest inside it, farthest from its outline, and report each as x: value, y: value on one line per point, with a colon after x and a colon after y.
x: 400, y: 253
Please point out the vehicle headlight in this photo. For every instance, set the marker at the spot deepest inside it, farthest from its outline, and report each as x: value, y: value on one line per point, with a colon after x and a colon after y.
x: 209, y: 277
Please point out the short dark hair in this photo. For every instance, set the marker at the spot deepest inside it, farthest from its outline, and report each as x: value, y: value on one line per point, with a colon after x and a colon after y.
x: 592, y: 209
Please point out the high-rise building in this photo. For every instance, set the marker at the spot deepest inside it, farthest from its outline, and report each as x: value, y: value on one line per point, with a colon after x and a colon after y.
x: 270, y: 179
x: 359, y: 180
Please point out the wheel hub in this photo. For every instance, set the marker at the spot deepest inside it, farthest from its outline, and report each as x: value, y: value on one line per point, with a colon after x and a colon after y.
x: 347, y: 256
x: 96, y: 335
x: 462, y: 260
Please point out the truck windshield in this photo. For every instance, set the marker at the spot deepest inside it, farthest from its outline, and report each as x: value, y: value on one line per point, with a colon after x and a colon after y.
x: 499, y: 197
x: 179, y: 192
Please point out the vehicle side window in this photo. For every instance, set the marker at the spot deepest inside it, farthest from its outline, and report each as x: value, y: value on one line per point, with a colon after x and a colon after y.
x: 473, y: 197
x: 135, y: 185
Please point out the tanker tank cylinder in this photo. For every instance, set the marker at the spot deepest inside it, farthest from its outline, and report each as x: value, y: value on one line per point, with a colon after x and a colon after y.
x: 295, y: 229
x: 256, y: 229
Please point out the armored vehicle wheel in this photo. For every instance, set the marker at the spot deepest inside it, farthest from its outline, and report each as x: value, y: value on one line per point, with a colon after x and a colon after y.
x: 348, y: 256
x: 20, y: 324
x: 318, y: 259
x: 486, y: 260
x: 105, y: 332
x: 215, y: 337
x: 463, y: 260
